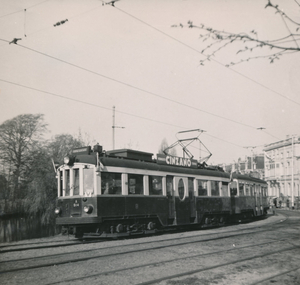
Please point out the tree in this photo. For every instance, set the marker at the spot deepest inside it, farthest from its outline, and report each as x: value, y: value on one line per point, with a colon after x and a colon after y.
x: 42, y: 184
x: 248, y: 44
x: 19, y: 137
x: 62, y: 144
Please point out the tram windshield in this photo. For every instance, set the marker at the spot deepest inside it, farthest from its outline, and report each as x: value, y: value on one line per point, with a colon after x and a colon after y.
x: 88, y: 181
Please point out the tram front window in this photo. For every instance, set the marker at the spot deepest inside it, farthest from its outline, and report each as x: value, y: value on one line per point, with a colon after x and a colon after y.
x: 67, y: 190
x: 76, y: 182
x: 88, y: 181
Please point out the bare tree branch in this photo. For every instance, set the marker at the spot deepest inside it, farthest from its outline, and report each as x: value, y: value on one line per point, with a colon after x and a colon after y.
x: 249, y: 45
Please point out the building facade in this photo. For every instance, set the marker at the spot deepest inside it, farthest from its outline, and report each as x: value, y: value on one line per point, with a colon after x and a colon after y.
x: 251, y: 165
x: 282, y: 168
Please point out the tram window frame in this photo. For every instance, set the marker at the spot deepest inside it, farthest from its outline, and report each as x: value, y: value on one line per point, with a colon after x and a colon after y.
x: 88, y: 180
x: 252, y: 189
x: 224, y: 189
x: 76, y: 182
x: 67, y: 183
x: 233, y: 191
x: 241, y: 190
x: 159, y: 181
x: 111, y: 183
x: 257, y: 189
x: 204, y: 190
x: 60, y: 184
x: 248, y: 190
x: 215, y: 191
x: 135, y: 182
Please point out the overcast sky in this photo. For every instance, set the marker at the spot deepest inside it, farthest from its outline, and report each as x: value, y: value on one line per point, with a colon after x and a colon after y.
x: 129, y: 56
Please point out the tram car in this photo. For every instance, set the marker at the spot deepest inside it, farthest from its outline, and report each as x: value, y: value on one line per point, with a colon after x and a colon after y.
x: 126, y: 192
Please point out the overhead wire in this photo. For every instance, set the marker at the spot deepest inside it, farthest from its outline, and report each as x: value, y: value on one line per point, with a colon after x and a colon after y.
x: 2, y: 16
x: 151, y: 93
x: 212, y: 59
x: 132, y: 86
x: 109, y: 109
x: 87, y: 103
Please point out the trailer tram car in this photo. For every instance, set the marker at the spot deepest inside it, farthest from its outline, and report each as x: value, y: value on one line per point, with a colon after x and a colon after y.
x: 126, y: 192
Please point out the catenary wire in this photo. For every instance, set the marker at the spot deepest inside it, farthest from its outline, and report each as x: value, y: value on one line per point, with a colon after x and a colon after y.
x: 109, y: 109
x: 23, y: 9
x: 129, y: 85
x: 214, y: 60
x: 132, y: 86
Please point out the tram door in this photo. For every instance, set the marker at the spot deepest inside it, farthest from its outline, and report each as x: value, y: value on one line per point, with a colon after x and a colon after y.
x: 182, y: 200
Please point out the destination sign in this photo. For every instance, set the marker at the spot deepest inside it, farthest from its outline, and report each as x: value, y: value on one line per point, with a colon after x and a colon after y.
x: 176, y: 161
x: 82, y: 150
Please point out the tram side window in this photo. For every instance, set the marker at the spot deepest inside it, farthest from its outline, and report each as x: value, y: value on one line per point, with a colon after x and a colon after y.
x: 155, y: 185
x: 247, y: 190
x: 252, y: 190
x: 215, y: 191
x: 111, y: 183
x: 233, y: 188
x: 224, y: 189
x: 76, y: 182
x: 241, y: 189
x: 67, y: 190
x: 136, y: 185
x: 170, y: 188
x: 202, y: 187
x: 61, y: 184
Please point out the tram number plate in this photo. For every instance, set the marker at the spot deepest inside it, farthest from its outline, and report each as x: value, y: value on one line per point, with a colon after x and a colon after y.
x: 75, y: 205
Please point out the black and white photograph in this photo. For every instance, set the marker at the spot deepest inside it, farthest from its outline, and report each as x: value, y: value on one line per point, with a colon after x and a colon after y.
x: 150, y: 142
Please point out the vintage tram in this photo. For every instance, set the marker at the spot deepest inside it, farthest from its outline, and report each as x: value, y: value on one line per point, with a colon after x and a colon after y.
x: 126, y: 192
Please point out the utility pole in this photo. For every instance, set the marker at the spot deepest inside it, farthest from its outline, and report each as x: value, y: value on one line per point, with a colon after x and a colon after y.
x: 114, y: 127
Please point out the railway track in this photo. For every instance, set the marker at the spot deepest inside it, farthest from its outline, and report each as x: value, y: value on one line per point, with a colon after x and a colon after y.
x: 160, y: 252
x: 24, y: 246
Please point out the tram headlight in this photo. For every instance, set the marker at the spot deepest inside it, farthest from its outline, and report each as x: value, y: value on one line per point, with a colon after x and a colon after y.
x: 88, y: 209
x: 69, y: 160
x: 57, y: 211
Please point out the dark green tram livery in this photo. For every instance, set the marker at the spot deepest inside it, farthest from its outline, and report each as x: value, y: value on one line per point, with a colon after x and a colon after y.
x: 126, y: 192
